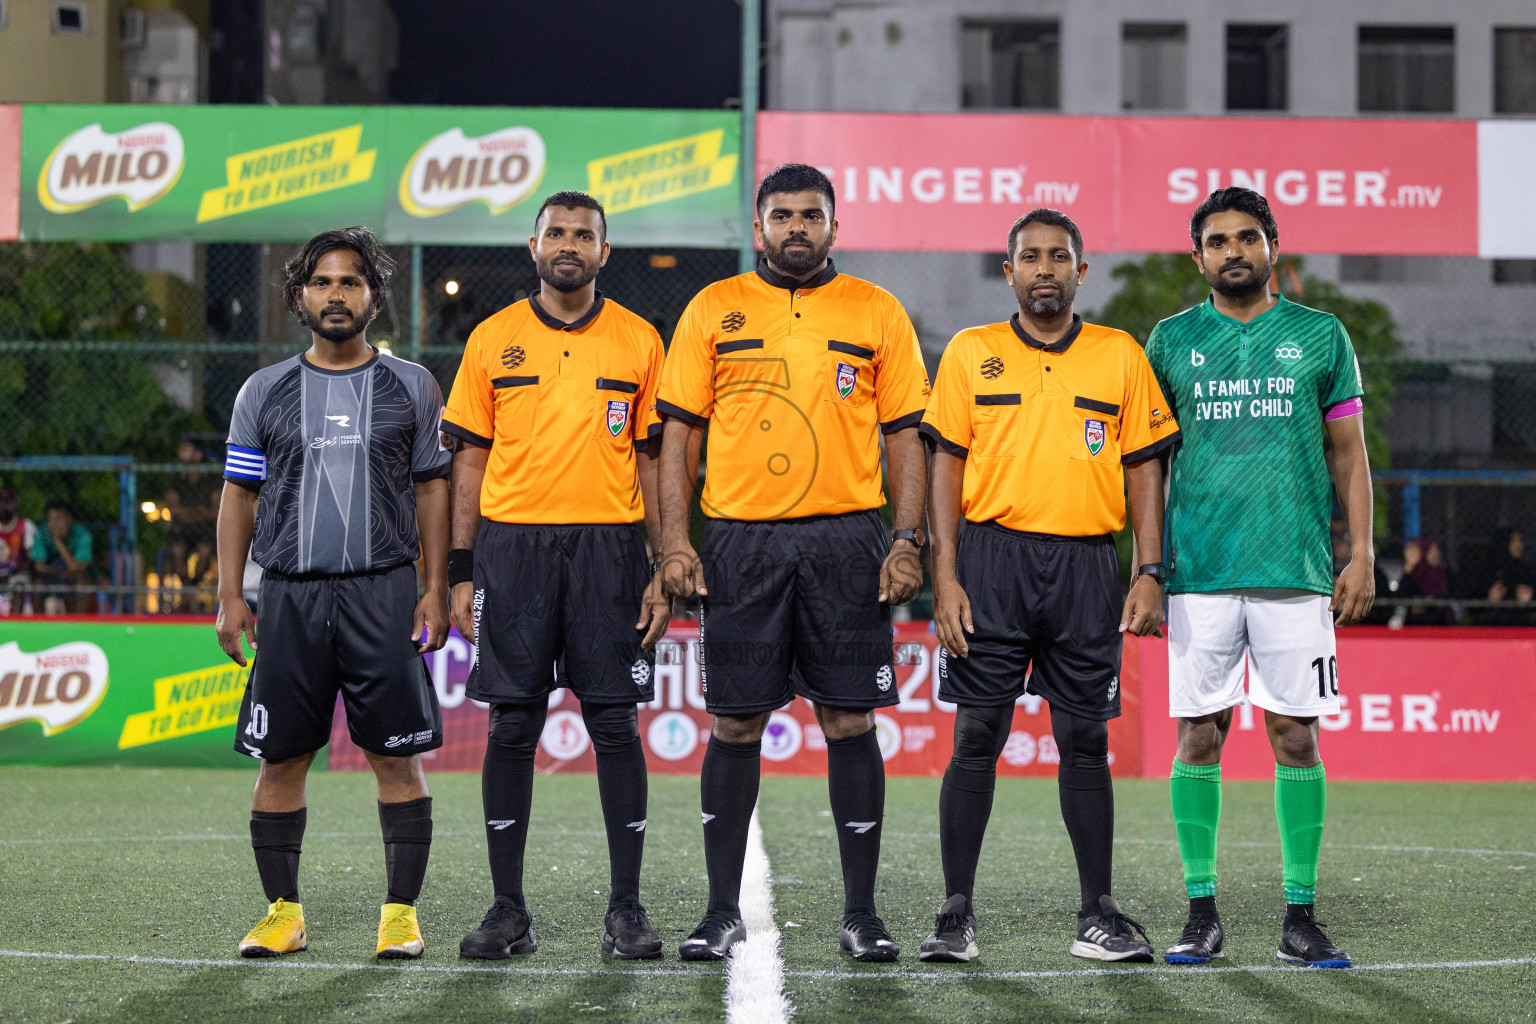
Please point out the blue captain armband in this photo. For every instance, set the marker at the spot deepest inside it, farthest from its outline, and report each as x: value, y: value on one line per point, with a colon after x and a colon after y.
x: 242, y: 463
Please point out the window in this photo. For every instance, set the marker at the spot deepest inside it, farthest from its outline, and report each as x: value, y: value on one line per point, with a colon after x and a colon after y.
x: 1514, y: 271
x: 68, y: 19
x: 1011, y: 64
x: 2, y: 15
x: 1391, y: 269
x: 1514, y: 70
x: 1407, y: 68
x: 992, y: 264
x: 1152, y: 65
x: 1257, y: 70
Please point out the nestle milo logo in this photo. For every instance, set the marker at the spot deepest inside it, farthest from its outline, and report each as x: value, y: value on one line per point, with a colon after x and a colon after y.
x: 451, y: 170
x: 58, y: 687
x: 90, y: 166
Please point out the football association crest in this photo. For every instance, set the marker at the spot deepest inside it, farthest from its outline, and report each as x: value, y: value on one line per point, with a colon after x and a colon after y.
x: 618, y: 417
x: 1093, y: 436
x: 847, y: 377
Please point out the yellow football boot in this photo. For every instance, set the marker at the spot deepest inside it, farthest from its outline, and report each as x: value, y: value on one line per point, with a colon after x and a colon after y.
x: 281, y: 931
x: 399, y: 934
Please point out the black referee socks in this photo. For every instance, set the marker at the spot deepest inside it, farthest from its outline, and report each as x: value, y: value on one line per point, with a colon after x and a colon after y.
x: 276, y: 837
x: 407, y: 841
x: 1087, y: 800
x: 728, y: 784
x: 506, y: 791
x: 856, y: 783
x: 965, y: 799
x: 622, y: 788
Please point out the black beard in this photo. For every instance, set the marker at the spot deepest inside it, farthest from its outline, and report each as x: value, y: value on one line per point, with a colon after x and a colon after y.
x: 1047, y: 307
x: 1244, y: 289
x: 797, y: 265
x: 550, y: 275
x: 338, y: 335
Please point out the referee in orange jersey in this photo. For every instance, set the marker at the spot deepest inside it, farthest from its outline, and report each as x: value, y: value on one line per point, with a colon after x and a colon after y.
x: 555, y: 468
x: 798, y: 371
x: 1038, y: 425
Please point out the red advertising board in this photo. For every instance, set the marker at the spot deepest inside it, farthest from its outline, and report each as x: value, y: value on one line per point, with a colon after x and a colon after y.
x: 10, y: 171
x: 916, y: 736
x: 955, y: 182
x: 1427, y: 704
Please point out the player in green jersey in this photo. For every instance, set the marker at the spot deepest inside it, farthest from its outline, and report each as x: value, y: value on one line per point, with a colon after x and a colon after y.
x: 1260, y: 386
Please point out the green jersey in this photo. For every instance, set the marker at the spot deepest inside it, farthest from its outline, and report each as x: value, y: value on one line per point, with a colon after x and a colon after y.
x: 1250, y: 498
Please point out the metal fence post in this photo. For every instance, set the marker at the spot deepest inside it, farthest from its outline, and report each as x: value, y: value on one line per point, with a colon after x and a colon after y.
x: 751, y: 63
x: 416, y: 302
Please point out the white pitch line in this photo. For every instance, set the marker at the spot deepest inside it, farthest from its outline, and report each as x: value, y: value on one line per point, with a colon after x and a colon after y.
x: 754, y: 974
x: 874, y: 974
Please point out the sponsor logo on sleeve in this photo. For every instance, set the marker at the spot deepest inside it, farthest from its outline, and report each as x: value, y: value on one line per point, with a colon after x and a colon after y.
x: 90, y: 166
x: 451, y: 170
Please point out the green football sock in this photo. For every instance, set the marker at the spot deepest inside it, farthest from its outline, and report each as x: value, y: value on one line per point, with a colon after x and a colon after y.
x: 1195, y: 790
x: 1301, y: 798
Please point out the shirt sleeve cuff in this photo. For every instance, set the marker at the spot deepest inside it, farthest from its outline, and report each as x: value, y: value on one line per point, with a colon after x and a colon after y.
x: 1348, y: 407
x: 676, y: 412
x: 467, y: 436
x: 652, y: 436
x: 911, y: 419
x: 933, y: 439
x: 1154, y: 449
x: 421, y: 476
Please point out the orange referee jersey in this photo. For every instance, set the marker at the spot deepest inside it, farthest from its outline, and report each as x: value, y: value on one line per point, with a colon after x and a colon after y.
x: 563, y: 409
x: 795, y: 381
x: 1046, y: 429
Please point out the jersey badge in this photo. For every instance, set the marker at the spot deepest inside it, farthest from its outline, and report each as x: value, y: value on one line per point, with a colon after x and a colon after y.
x: 992, y: 368
x: 847, y: 377
x: 733, y: 321
x: 513, y: 357
x: 618, y: 417
x: 1289, y: 352
x: 1195, y: 358
x: 1093, y: 436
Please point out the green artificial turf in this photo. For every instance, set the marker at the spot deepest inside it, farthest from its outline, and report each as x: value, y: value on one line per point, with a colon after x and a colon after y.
x: 157, y: 864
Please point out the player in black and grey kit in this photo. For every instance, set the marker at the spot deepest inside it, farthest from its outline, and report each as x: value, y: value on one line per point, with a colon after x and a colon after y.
x: 335, y: 479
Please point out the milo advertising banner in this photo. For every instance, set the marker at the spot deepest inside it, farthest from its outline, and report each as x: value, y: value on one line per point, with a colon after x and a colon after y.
x: 434, y: 175
x: 117, y: 692
x: 664, y: 177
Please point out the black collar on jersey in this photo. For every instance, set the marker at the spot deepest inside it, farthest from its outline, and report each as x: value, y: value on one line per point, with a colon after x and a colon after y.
x: 341, y: 373
x: 1056, y: 347
x: 556, y: 324
x: 779, y: 280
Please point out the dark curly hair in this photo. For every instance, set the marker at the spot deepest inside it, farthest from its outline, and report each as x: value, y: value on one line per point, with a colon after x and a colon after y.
x: 373, y: 263
x: 1242, y: 200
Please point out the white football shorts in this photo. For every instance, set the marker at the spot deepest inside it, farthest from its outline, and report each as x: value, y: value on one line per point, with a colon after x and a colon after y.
x: 1284, y: 638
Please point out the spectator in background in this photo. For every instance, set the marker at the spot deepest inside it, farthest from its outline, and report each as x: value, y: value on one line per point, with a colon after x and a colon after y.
x: 1512, y: 580
x: 193, y: 498
x: 61, y: 554
x: 1426, y: 575
x: 17, y: 535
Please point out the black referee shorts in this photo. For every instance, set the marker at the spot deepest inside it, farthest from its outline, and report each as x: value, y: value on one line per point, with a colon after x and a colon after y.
x: 566, y: 594
x: 794, y: 608
x: 352, y: 633
x: 1043, y: 605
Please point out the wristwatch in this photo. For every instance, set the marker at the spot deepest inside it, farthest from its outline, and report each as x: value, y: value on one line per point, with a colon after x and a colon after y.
x: 1157, y: 570
x: 915, y: 536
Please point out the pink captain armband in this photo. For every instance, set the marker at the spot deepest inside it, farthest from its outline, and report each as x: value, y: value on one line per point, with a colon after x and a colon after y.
x: 1348, y: 407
